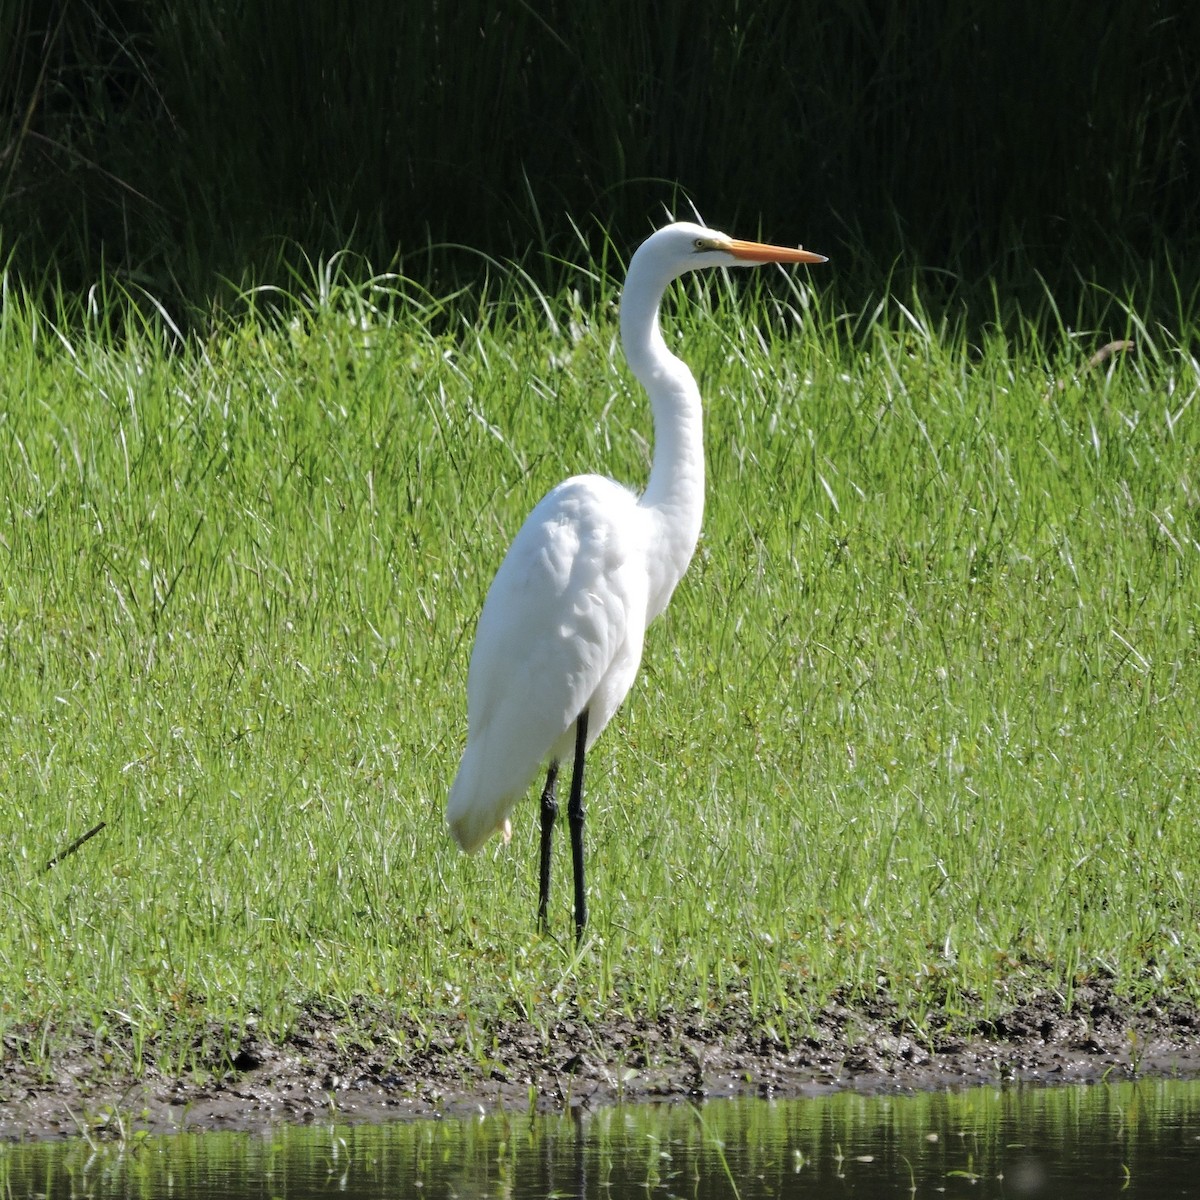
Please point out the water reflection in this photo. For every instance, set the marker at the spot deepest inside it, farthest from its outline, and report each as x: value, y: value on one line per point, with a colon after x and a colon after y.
x: 1140, y: 1140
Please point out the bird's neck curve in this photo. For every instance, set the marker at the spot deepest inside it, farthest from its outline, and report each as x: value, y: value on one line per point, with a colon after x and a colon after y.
x: 674, y: 495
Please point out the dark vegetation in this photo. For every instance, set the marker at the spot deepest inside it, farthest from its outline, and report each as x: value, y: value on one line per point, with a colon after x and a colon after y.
x: 193, y: 149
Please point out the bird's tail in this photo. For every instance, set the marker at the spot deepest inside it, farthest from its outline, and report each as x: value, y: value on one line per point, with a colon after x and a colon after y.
x: 473, y: 812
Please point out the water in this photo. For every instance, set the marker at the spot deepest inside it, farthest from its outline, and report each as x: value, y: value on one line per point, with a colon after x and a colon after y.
x: 1127, y: 1139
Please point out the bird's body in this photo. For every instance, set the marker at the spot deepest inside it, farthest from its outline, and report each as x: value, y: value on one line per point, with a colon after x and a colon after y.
x: 569, y: 607
x: 560, y: 637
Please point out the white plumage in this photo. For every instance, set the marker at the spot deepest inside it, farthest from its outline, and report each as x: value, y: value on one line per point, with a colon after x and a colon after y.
x: 561, y: 631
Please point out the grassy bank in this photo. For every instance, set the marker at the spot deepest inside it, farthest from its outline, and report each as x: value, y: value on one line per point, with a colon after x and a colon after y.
x: 921, y: 718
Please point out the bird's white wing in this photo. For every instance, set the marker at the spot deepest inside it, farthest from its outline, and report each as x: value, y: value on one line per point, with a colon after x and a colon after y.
x: 559, y: 613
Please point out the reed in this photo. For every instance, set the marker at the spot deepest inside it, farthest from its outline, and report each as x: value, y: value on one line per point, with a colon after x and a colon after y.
x: 186, y: 148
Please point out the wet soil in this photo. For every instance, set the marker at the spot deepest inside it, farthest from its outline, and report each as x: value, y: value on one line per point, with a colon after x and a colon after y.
x: 372, y: 1065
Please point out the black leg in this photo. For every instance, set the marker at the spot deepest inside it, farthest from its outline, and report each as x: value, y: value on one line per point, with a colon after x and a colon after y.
x: 549, y: 812
x: 575, y: 817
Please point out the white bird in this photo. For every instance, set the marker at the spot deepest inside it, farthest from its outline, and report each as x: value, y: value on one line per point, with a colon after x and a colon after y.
x: 560, y: 636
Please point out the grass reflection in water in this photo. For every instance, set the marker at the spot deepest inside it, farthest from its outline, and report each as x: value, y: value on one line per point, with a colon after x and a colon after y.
x: 1140, y: 1138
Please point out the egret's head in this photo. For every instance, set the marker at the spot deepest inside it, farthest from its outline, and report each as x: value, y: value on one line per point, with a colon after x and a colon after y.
x: 685, y: 246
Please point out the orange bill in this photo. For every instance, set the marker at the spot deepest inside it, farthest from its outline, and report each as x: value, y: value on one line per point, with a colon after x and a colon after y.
x: 759, y: 252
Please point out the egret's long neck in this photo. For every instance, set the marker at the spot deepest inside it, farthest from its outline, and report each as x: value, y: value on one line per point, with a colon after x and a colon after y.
x: 674, y: 495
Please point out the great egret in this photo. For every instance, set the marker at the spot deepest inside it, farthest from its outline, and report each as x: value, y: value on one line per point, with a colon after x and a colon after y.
x: 560, y: 636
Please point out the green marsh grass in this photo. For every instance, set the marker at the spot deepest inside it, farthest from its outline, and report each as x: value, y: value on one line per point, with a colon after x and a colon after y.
x: 921, y: 719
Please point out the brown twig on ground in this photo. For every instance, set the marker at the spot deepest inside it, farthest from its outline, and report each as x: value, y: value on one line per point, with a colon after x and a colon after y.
x: 1121, y: 346
x: 91, y: 833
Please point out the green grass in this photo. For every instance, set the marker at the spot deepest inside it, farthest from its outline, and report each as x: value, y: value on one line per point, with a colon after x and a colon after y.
x: 921, y: 718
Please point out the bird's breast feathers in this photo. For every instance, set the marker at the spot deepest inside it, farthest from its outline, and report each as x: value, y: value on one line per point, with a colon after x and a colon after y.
x: 561, y: 606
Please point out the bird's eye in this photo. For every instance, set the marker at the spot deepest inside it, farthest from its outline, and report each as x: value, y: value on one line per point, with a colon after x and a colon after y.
x: 701, y: 244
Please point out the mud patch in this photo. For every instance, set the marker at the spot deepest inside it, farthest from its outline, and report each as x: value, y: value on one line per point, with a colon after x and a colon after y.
x: 371, y: 1065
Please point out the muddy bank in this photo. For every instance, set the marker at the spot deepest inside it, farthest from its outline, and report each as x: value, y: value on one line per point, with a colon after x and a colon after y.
x: 373, y: 1066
